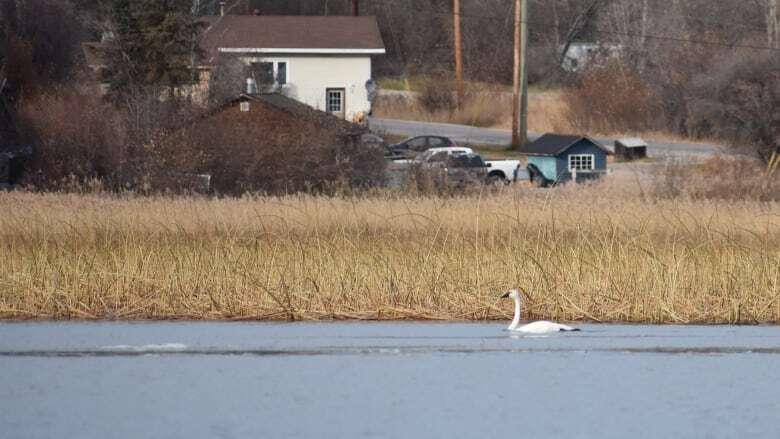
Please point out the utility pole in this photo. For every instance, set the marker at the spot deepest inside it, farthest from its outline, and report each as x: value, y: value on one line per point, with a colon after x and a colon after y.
x: 772, y: 25
x: 458, y: 52
x: 355, y: 8
x: 520, y: 81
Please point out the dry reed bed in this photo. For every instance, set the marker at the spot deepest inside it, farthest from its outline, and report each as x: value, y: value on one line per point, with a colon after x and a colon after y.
x: 581, y: 255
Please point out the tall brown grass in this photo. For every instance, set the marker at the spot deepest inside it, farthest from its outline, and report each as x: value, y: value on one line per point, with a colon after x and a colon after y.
x: 719, y: 178
x: 596, y: 253
x: 486, y: 108
x: 609, y: 101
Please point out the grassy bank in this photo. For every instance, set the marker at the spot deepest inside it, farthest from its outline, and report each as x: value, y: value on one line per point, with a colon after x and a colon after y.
x: 595, y: 255
x: 491, y: 109
x: 548, y: 112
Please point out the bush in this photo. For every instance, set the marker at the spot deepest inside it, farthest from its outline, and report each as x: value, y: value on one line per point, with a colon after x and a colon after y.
x: 81, y: 145
x: 612, y: 98
x: 739, y: 103
x: 437, y: 93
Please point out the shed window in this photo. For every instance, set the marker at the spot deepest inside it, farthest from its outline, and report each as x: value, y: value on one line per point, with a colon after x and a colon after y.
x: 581, y: 162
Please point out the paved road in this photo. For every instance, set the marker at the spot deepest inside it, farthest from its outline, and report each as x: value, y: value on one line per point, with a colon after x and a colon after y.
x: 465, y: 134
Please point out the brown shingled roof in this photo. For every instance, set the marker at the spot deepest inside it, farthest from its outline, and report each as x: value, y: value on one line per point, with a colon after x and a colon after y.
x: 290, y: 32
x: 94, y: 54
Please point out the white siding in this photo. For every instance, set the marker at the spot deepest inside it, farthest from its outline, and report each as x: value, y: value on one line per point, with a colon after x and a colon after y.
x: 309, y: 76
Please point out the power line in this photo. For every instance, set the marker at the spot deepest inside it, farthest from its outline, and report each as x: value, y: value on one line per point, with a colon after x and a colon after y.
x: 687, y: 40
x: 605, y: 32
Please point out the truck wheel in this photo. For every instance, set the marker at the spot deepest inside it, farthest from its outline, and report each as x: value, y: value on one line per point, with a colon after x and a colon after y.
x: 494, y: 180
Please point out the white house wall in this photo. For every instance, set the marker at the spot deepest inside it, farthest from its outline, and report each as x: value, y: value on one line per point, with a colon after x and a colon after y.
x: 309, y: 76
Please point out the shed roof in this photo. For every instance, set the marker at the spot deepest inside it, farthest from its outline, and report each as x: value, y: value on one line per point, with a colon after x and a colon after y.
x: 555, y: 144
x: 291, y: 34
x: 301, y: 110
x: 631, y: 142
x: 94, y: 54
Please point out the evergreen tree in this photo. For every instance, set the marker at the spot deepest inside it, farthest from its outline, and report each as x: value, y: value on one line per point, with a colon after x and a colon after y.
x: 154, y: 46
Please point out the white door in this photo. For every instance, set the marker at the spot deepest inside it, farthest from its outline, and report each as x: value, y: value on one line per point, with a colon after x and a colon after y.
x: 334, y: 99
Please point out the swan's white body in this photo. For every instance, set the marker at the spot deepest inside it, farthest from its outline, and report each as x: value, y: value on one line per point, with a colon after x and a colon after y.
x: 541, y: 327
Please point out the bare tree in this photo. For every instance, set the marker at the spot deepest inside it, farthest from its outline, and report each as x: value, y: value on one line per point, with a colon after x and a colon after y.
x: 739, y: 101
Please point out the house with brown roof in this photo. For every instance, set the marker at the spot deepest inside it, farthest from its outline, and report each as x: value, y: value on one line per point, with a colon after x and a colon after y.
x: 324, y: 62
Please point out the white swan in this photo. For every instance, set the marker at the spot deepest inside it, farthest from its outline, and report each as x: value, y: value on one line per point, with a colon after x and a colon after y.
x: 542, y: 327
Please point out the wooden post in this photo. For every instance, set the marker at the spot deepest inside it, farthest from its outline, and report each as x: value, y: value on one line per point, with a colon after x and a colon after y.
x: 458, y: 52
x: 355, y: 8
x: 523, y: 72
x: 516, y: 81
x: 772, y: 25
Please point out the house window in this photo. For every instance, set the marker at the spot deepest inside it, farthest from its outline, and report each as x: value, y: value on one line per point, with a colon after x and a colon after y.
x: 269, y: 72
x: 335, y: 100
x: 281, y: 73
x: 581, y: 162
x: 263, y: 72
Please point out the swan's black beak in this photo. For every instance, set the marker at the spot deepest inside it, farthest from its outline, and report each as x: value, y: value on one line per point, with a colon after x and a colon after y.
x: 506, y: 295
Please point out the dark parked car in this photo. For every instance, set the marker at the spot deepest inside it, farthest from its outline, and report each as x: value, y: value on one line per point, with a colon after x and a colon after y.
x: 412, y: 146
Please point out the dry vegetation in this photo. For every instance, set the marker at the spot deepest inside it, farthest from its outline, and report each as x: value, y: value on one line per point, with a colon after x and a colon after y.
x: 598, y: 253
x: 487, y: 108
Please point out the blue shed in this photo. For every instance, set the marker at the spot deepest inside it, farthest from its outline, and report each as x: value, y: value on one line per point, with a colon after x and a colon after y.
x: 555, y: 158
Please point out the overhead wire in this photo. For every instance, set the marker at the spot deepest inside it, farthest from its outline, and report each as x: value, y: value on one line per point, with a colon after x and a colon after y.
x: 605, y: 32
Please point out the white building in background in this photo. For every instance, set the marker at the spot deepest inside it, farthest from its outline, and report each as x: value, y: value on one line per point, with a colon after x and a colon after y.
x: 580, y: 54
x: 324, y: 62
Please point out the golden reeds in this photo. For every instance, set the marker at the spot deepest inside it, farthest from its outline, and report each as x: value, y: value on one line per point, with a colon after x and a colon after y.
x: 581, y: 253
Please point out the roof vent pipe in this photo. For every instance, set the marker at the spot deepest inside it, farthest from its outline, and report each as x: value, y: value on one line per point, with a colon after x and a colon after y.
x: 251, y: 86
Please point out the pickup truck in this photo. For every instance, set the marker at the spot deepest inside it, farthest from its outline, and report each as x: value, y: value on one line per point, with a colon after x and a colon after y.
x: 494, y: 171
x: 505, y: 171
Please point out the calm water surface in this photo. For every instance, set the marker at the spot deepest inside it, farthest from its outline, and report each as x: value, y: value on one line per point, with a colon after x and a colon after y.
x: 388, y: 380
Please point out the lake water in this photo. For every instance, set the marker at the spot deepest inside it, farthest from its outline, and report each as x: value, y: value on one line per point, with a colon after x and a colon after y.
x: 385, y: 380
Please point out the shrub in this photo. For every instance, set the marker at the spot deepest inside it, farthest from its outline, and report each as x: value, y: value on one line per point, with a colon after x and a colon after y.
x: 74, y: 145
x: 437, y: 94
x: 612, y: 98
x: 739, y: 102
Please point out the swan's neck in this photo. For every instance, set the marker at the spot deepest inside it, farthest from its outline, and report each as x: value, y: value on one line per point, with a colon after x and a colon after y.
x: 516, y: 319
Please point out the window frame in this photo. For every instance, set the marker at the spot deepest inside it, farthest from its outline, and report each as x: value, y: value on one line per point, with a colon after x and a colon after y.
x: 342, y: 103
x: 286, y: 72
x: 257, y: 65
x: 583, y: 158
x: 275, y: 70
